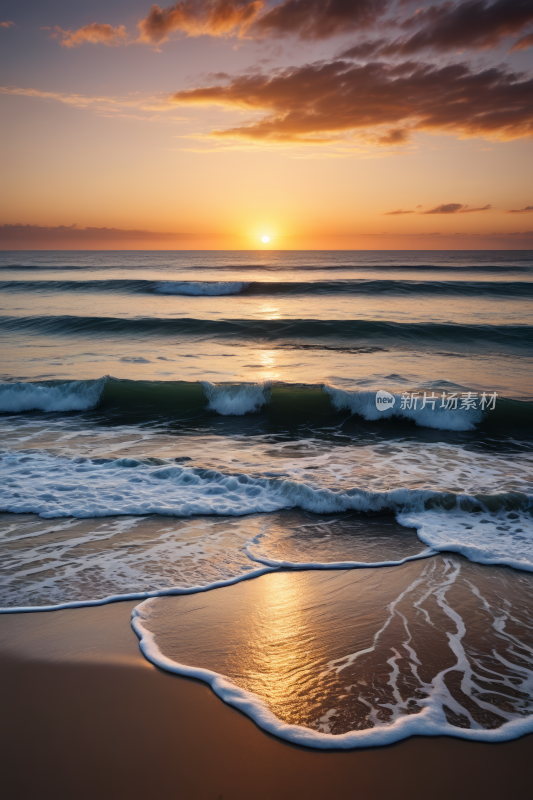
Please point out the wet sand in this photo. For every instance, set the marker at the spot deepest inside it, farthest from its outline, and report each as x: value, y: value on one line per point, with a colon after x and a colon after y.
x: 84, y: 715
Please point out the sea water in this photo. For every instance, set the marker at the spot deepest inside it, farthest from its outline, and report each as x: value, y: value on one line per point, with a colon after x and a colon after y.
x: 203, y: 425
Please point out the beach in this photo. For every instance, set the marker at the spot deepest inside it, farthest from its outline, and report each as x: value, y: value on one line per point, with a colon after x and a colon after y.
x: 85, y: 715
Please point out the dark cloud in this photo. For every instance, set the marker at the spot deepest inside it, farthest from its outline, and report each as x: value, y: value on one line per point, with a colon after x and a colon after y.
x: 455, y: 208
x: 317, y: 101
x: 319, y: 19
x: 525, y: 210
x: 445, y: 208
x: 474, y: 23
x: 467, y: 210
x: 199, y: 17
x: 396, y: 213
x: 364, y: 50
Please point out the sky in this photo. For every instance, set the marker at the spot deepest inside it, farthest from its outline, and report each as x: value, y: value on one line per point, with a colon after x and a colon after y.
x: 322, y: 124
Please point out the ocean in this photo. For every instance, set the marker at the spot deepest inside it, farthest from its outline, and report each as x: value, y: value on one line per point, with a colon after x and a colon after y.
x: 313, y: 469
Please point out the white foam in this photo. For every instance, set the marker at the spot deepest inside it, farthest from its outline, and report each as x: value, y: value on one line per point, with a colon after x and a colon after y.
x: 69, y: 396
x: 113, y: 598
x: 53, y: 486
x: 237, y: 400
x: 364, y: 405
x: 504, y: 537
x: 201, y: 288
x: 281, y: 564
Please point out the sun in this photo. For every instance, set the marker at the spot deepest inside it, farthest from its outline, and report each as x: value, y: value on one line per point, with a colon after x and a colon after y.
x: 265, y: 239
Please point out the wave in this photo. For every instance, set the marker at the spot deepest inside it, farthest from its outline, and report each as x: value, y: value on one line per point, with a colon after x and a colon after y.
x: 236, y: 400
x: 200, y: 288
x: 359, y: 287
x: 416, y: 334
x: 490, y: 529
x: 364, y: 405
x: 282, y: 401
x: 317, y: 261
x: 70, y: 396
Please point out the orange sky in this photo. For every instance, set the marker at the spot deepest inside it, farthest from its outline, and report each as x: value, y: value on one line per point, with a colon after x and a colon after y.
x: 188, y: 128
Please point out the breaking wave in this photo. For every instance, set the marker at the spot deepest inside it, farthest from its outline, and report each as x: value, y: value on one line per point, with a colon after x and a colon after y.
x: 292, y: 403
x: 71, y: 396
x: 486, y: 528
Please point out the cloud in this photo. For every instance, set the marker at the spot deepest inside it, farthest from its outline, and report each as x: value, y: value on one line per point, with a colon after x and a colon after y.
x: 318, y: 102
x: 319, y: 19
x: 523, y: 44
x: 198, y: 18
x: 110, y: 106
x: 474, y: 23
x: 455, y: 208
x: 526, y: 210
x: 95, y: 34
x: 447, y: 26
x: 397, y: 136
x: 396, y: 213
x: 72, y: 235
x: 467, y: 210
x: 307, y: 19
x: 64, y: 237
x: 7, y: 25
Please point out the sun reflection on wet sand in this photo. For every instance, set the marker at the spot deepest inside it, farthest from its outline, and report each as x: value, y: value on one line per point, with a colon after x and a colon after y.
x: 339, y: 651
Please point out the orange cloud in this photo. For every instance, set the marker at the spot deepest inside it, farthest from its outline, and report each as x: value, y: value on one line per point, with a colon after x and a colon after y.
x: 526, y: 210
x: 319, y: 101
x: 396, y: 213
x: 199, y: 17
x: 102, y: 104
x: 7, y: 25
x: 95, y: 34
x: 523, y: 44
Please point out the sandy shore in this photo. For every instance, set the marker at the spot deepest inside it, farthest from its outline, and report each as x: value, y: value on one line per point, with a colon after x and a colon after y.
x: 83, y: 715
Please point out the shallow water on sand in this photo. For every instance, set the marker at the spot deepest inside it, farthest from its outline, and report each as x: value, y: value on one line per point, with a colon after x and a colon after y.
x: 449, y: 644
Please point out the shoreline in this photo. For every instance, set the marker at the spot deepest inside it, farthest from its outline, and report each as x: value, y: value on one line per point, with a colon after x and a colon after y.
x: 85, y: 715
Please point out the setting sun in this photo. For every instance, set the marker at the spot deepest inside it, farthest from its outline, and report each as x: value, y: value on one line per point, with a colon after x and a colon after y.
x: 265, y: 239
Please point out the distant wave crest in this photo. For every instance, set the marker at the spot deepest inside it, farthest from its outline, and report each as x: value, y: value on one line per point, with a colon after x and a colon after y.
x: 201, y: 288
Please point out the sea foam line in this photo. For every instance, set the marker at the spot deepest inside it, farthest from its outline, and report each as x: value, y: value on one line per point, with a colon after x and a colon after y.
x: 115, y: 598
x: 311, y: 565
